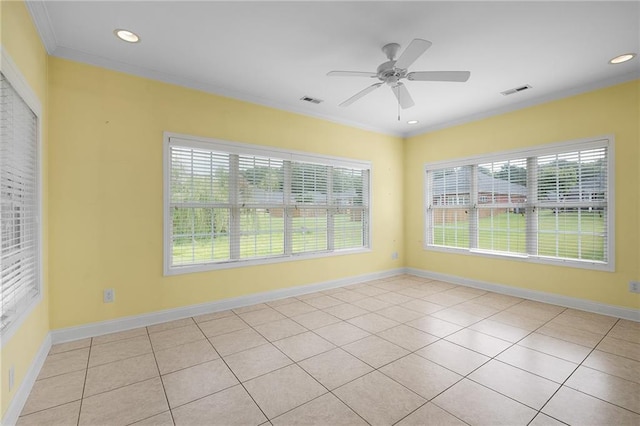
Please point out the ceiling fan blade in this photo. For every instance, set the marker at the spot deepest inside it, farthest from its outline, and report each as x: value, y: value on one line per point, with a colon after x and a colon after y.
x: 351, y: 74
x: 360, y: 94
x: 460, y: 76
x: 404, y: 98
x: 416, y: 48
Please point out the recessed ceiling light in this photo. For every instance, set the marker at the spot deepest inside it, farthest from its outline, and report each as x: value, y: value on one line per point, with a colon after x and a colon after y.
x: 412, y: 122
x: 622, y: 58
x: 127, y: 36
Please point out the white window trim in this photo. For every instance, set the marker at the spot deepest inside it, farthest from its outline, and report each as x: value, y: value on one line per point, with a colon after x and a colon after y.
x: 271, y: 152
x: 577, y: 144
x: 12, y: 73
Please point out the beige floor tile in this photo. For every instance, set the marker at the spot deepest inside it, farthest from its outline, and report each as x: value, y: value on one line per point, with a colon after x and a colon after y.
x: 422, y: 376
x: 378, y: 399
x: 373, y: 323
x: 345, y: 311
x: 280, y: 302
x: 371, y: 304
x: 422, y: 306
x: 500, y: 330
x: 257, y: 361
x: 349, y: 296
x: 620, y: 347
x: 497, y: 301
x: 313, y: 320
x: 515, y: 320
x: 615, y: 365
x: 70, y: 346
x: 456, y: 316
x: 456, y: 358
x: 482, y: 406
x: 375, y: 351
x: 536, y: 310
x: 222, y: 325
x: 544, y: 420
x: 64, y: 362
x: 117, y: 374
x: 230, y: 343
x: 170, y: 325
x: 277, y: 330
x: 407, y: 337
x: 570, y: 334
x: 124, y: 405
x: 335, y: 368
x: 370, y: 290
x: 54, y: 391
x: 479, y: 342
x: 413, y: 292
x: 121, y: 349
x: 175, y: 337
x: 445, y: 299
x: 162, y: 419
x: 535, y: 362
x: 434, y: 326
x: 595, y: 324
x: 213, y: 316
x: 476, y: 309
x: 615, y: 390
x: 231, y: 406
x: 556, y: 347
x: 430, y: 414
x: 283, y: 389
x: 515, y: 383
x: 341, y: 333
x: 394, y: 298
x: 302, y: 346
x: 576, y: 408
x: 250, y: 308
x: 324, y: 410
x: 183, y: 356
x: 400, y: 314
x: 295, y: 308
x: 626, y: 330
x: 61, y: 415
x: 121, y: 335
x: 195, y: 382
x: 309, y: 296
x: 324, y: 302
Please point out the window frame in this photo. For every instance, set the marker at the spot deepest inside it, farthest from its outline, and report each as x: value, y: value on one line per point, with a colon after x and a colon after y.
x: 13, y: 75
x: 241, y: 149
x: 607, y: 141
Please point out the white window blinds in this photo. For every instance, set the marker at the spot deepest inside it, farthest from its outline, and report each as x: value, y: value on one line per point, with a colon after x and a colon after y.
x: 547, y: 203
x: 19, y: 207
x: 229, y: 203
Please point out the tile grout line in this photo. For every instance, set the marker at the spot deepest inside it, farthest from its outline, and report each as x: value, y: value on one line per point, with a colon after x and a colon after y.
x: 164, y: 390
x: 84, y: 385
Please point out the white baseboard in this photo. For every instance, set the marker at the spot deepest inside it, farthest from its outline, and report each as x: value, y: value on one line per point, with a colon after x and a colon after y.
x: 128, y: 323
x: 555, y: 299
x: 17, y: 403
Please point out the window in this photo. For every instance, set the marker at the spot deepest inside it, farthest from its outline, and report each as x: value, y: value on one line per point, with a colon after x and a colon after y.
x: 546, y: 204
x: 19, y: 205
x: 230, y: 204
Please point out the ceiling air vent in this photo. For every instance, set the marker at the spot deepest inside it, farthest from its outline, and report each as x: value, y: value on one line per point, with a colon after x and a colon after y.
x: 310, y: 99
x: 516, y: 90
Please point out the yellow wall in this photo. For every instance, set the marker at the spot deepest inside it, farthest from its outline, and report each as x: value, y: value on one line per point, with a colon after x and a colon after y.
x: 21, y: 41
x: 614, y: 110
x: 106, y: 192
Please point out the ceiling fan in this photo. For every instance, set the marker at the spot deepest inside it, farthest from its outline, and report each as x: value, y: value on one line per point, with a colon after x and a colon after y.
x: 394, y: 70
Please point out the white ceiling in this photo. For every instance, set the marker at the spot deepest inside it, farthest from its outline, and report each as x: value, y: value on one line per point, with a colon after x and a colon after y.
x: 273, y: 53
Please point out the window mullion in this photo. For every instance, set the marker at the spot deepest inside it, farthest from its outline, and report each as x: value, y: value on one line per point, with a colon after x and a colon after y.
x: 330, y: 211
x: 234, y: 237
x: 473, y: 208
x: 531, y: 209
x: 288, y: 219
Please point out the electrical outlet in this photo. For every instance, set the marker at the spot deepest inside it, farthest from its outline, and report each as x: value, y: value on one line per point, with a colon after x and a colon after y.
x: 12, y: 374
x: 634, y: 286
x: 108, y: 295
x: 394, y: 255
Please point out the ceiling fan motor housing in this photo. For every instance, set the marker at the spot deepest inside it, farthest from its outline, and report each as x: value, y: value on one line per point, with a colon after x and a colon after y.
x: 388, y: 73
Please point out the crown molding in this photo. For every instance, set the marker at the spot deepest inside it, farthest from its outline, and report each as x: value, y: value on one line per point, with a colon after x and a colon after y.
x: 42, y: 21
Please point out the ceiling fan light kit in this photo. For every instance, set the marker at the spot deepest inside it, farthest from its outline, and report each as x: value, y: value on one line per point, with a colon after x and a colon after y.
x: 394, y: 70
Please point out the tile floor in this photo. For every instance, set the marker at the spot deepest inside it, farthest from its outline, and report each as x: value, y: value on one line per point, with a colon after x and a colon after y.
x: 403, y: 350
